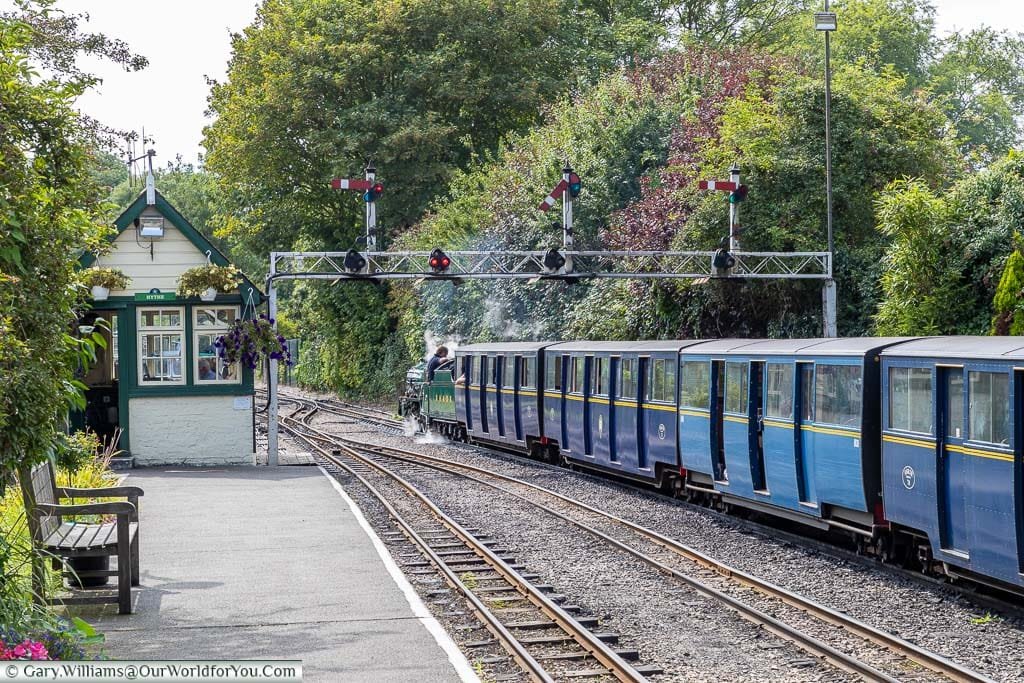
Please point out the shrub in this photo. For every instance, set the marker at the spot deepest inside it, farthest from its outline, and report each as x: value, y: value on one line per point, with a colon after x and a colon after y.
x: 195, y: 281
x: 111, y: 278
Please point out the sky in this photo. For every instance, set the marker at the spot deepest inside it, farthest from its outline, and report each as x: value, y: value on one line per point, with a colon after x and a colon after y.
x: 189, y: 40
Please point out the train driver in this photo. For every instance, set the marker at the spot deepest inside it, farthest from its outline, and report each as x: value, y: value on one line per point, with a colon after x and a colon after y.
x: 437, y: 359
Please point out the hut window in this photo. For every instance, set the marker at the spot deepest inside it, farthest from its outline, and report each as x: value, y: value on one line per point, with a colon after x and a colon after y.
x: 161, y: 333
x: 210, y: 322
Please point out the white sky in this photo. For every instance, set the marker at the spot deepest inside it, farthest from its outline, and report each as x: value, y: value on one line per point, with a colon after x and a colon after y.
x: 186, y: 40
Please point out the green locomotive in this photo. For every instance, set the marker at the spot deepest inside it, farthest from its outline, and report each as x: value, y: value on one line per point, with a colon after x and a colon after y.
x: 431, y: 404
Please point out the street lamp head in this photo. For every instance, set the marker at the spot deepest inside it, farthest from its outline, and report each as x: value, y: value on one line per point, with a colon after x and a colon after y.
x: 825, y: 21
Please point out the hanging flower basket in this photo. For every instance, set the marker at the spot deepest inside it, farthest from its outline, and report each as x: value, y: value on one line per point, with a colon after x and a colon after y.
x: 251, y: 341
x: 102, y: 280
x: 209, y: 294
x: 199, y: 280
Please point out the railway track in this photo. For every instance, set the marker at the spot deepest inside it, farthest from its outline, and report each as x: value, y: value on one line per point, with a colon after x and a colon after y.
x: 892, y: 658
x: 984, y: 596
x: 546, y: 641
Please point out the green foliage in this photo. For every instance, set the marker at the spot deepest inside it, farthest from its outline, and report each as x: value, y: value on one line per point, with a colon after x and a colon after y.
x: 924, y: 293
x: 979, y: 80
x: 949, y: 251
x: 1009, y: 313
x: 198, y: 279
x: 111, y: 278
x: 48, y: 206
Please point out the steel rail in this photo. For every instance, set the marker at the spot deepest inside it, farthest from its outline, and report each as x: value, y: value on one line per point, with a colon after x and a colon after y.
x: 923, y: 657
x: 601, y: 652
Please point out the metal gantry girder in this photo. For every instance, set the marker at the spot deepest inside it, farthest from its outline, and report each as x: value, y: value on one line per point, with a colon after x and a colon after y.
x: 500, y: 265
x: 529, y: 265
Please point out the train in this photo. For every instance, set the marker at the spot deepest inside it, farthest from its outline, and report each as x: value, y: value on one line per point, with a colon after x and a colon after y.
x: 910, y: 446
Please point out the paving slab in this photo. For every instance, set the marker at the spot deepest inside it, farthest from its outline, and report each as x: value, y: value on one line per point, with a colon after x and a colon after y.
x: 259, y: 562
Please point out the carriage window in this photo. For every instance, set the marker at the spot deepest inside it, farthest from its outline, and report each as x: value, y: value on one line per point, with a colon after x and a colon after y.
x: 527, y: 369
x: 837, y: 395
x: 493, y: 364
x: 989, y: 407
x: 807, y: 392
x: 508, y: 374
x: 601, y: 376
x: 474, y: 364
x: 579, y: 377
x: 627, y: 385
x: 910, y: 399
x: 955, y: 404
x: 663, y: 380
x: 736, y: 388
x: 695, y: 383
x: 780, y: 391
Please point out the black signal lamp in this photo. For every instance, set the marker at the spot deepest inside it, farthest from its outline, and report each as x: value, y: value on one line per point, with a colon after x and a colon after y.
x: 439, y: 261
x: 354, y: 262
x: 738, y: 195
x: 723, y: 260
x: 553, y: 260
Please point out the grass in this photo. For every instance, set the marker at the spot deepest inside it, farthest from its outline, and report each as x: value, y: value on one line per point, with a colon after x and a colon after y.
x: 468, y: 579
x: 987, y: 619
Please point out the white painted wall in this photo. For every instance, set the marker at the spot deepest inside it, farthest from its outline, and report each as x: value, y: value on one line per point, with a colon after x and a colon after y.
x: 172, y: 255
x: 191, y: 430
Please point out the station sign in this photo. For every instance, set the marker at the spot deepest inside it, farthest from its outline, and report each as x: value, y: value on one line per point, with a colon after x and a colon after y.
x: 155, y: 296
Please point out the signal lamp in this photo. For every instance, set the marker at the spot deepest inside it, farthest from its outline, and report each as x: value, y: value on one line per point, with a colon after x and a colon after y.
x: 354, y: 262
x: 738, y: 195
x: 575, y: 185
x: 374, y: 193
x: 439, y: 261
x: 553, y: 261
x: 723, y: 260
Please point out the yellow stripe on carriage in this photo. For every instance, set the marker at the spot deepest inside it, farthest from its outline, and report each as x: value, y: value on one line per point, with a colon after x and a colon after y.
x: 776, y: 423
x: 920, y: 443
x: 853, y: 434
x: 694, y: 413
x: 993, y: 455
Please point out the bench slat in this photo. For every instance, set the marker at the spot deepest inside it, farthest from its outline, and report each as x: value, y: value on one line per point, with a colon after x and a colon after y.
x: 85, y: 536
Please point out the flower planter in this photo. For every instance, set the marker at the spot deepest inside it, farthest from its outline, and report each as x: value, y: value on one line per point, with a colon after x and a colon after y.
x: 100, y: 293
x: 209, y: 294
x: 88, y: 564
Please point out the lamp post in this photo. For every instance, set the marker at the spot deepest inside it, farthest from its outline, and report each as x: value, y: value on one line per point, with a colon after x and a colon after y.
x: 826, y: 22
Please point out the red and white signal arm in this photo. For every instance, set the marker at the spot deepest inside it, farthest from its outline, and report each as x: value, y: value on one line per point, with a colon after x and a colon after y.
x: 351, y: 184
x: 720, y: 185
x: 550, y: 200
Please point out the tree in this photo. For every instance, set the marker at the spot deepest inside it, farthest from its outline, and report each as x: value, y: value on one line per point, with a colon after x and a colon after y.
x: 979, y: 80
x: 48, y: 210
x: 421, y: 88
x: 1009, y: 314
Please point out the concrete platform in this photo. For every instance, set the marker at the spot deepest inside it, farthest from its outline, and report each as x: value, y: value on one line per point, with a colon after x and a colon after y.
x: 254, y: 563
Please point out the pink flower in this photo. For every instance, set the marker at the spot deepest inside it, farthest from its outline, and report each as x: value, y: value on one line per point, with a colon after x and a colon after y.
x: 38, y: 651
x: 19, y: 651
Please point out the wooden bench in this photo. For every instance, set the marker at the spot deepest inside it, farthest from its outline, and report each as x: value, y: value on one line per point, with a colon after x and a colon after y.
x: 62, y: 540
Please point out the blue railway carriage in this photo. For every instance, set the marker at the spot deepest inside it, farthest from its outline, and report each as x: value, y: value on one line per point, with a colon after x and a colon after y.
x: 498, y: 402
x: 789, y: 427
x: 611, y: 406
x: 951, y: 451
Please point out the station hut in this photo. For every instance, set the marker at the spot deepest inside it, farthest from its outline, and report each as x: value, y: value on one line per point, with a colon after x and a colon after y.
x: 160, y: 379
